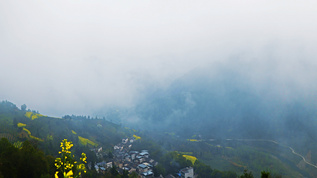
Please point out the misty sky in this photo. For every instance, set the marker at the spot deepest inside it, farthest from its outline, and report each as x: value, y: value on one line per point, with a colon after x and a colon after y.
x: 74, y: 56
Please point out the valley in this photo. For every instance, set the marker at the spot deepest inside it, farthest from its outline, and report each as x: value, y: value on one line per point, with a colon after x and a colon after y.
x: 228, y: 157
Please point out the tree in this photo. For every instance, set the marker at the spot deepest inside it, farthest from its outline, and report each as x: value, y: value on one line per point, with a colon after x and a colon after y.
x: 202, y: 169
x: 110, y: 155
x: 30, y: 154
x: 113, y: 170
x: 247, y: 174
x: 125, y: 174
x: 265, y: 174
x: 23, y: 107
x: 28, y: 161
x: 158, y: 170
x: 8, y: 153
x: 133, y: 175
x: 15, y: 122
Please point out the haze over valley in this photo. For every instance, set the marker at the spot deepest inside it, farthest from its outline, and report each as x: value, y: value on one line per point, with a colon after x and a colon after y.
x: 232, y: 84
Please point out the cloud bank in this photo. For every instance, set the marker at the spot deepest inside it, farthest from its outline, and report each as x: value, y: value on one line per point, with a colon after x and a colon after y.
x: 64, y: 57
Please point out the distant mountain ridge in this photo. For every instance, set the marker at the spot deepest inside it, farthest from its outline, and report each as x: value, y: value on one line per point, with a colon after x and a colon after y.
x: 228, y: 105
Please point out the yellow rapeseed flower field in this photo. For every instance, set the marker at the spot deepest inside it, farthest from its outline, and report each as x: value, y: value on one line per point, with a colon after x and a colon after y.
x: 192, y: 140
x: 31, y: 136
x: 33, y: 116
x: 21, y: 124
x: 28, y: 114
x: 25, y: 129
x: 137, y: 137
x: 190, y: 158
x: 85, y: 141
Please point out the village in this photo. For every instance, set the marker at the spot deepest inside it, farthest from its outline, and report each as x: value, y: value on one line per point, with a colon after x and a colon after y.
x: 131, y: 161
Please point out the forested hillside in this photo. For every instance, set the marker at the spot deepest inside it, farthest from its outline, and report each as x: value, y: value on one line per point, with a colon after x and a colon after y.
x: 25, y: 132
x: 18, y: 125
x: 29, y: 136
x: 28, y: 131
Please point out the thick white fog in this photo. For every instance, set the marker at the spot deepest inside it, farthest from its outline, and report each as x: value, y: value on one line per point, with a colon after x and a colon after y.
x: 75, y: 56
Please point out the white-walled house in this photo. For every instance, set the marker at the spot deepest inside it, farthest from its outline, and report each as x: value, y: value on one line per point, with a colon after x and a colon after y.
x: 187, y: 172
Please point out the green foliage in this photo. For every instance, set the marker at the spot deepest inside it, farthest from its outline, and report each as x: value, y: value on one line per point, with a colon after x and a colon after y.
x: 265, y: 174
x: 133, y: 175
x: 202, y: 169
x: 114, y: 171
x: 159, y: 170
x: 247, y: 174
x: 25, y: 162
x: 17, y: 144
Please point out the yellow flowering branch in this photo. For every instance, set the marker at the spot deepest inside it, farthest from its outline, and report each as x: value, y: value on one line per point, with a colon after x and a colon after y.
x: 66, y: 164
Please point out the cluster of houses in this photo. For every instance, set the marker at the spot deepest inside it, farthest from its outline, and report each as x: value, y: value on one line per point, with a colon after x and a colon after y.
x: 100, y: 167
x: 134, y: 161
